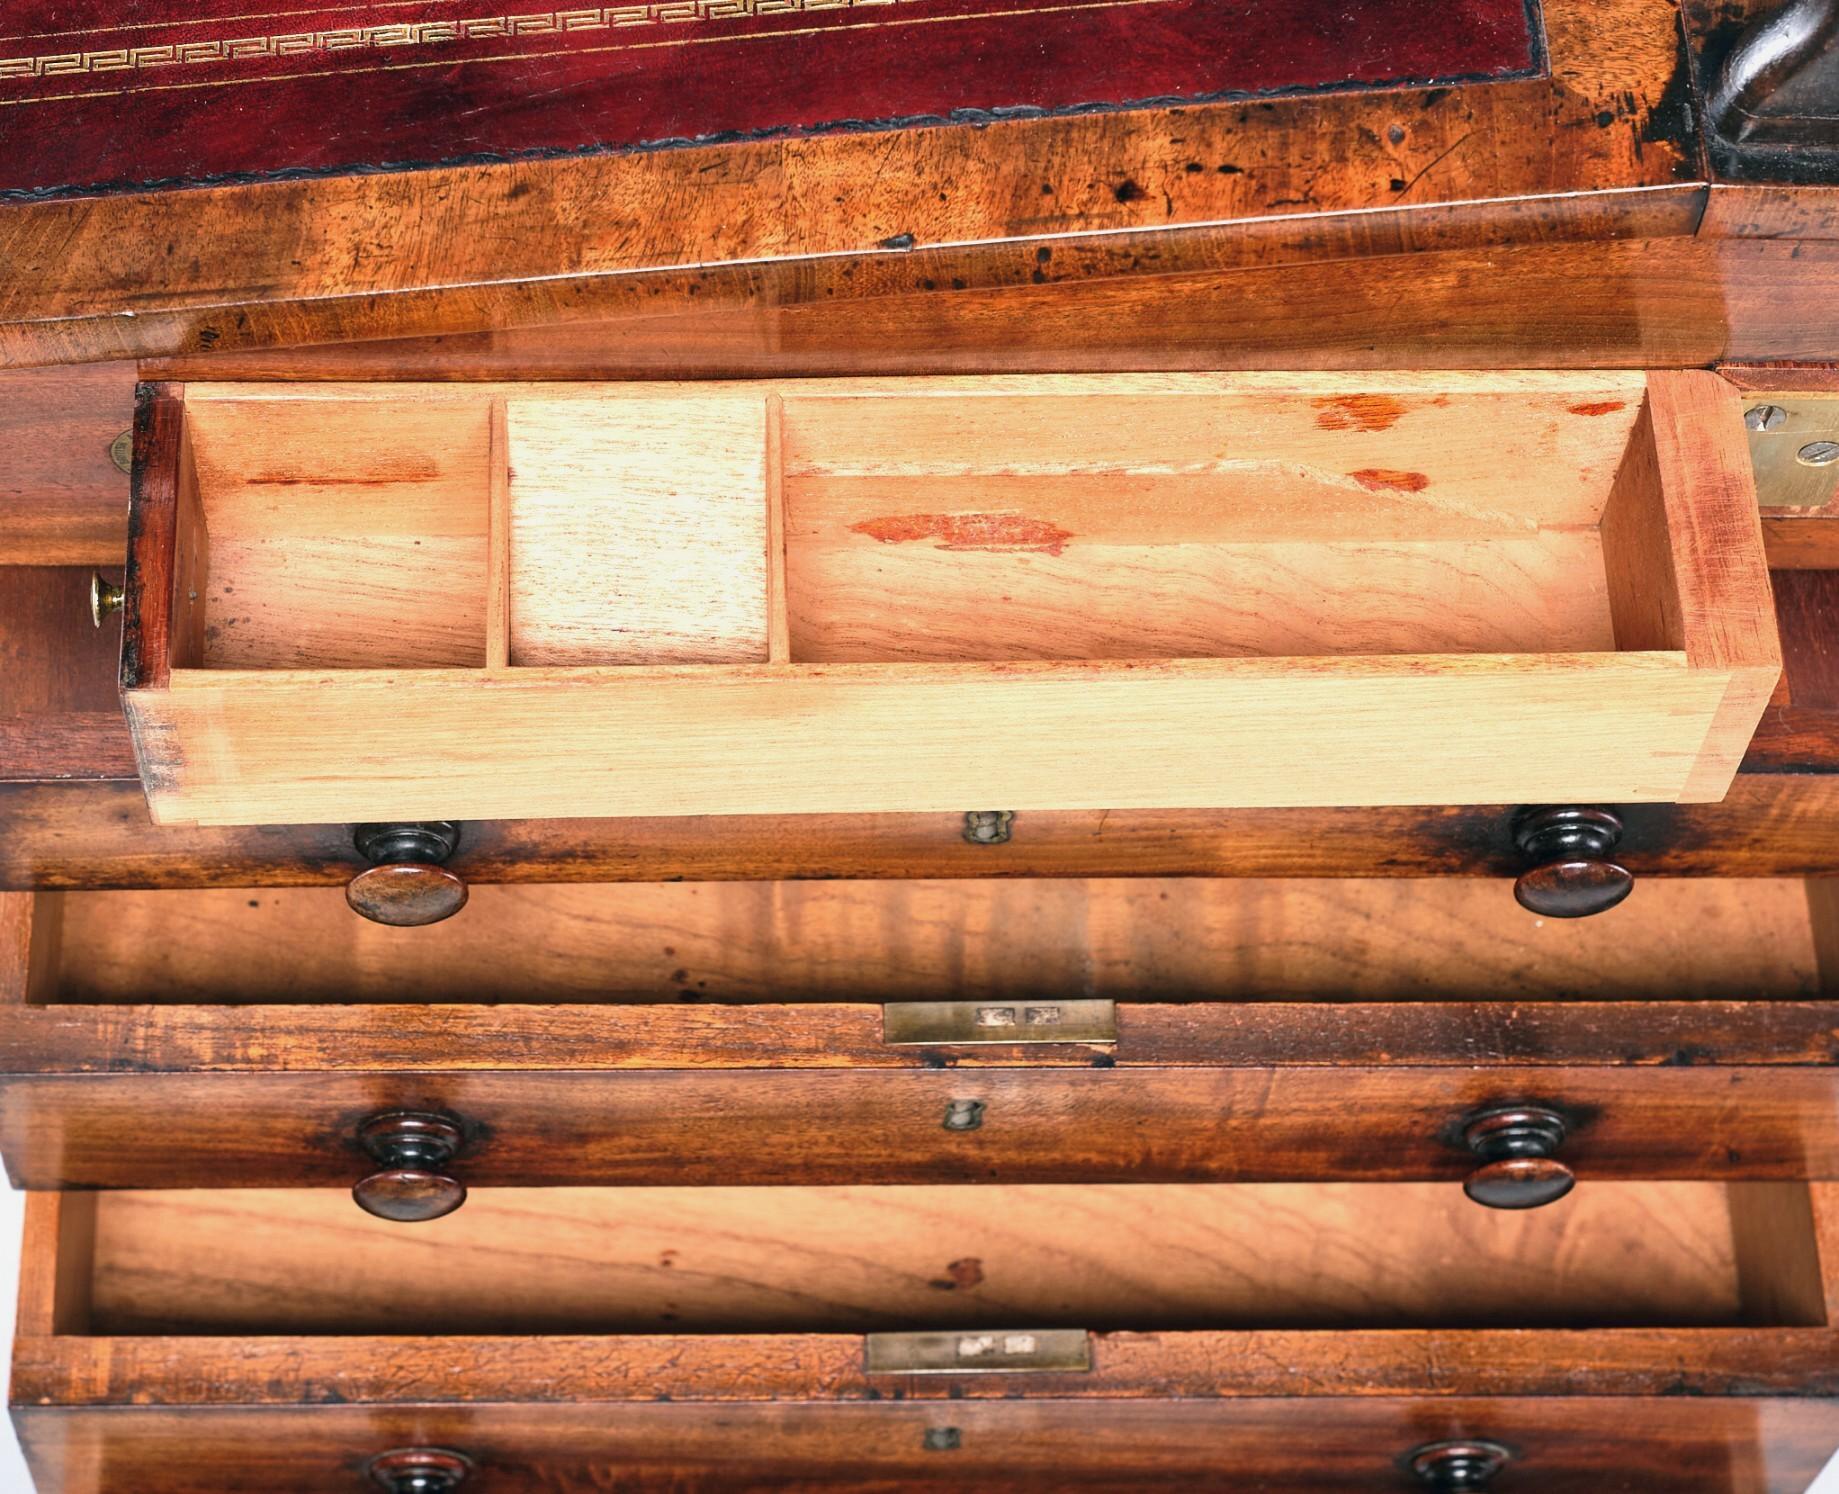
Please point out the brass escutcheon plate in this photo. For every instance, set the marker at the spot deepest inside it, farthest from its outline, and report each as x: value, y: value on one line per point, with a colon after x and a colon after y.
x: 980, y: 1351
x: 960, y: 1023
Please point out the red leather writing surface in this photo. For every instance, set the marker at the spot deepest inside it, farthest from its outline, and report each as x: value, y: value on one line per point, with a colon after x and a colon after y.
x: 111, y: 94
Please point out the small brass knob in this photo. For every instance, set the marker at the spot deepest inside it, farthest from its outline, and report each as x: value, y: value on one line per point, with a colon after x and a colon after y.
x: 406, y: 885
x: 1452, y: 1467
x: 413, y: 1148
x: 1518, y: 1146
x: 1568, y: 871
x: 420, y: 1470
x: 105, y: 598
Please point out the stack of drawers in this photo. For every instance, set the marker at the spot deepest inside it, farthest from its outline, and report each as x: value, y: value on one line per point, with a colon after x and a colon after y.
x: 814, y: 835
x: 835, y: 1148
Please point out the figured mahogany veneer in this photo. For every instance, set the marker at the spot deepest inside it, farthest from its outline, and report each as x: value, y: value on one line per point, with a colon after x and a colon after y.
x: 919, y: 595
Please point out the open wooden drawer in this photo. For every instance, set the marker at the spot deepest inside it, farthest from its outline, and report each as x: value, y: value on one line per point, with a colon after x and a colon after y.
x: 1651, y: 1337
x: 1146, y: 1030
x: 418, y: 602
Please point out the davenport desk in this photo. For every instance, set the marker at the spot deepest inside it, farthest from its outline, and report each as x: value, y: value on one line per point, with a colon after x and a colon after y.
x: 922, y: 744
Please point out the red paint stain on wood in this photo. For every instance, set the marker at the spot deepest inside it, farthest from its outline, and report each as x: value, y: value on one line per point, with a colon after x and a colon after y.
x: 995, y: 532
x: 960, y: 1275
x: 1599, y: 407
x: 1384, y: 480
x: 1358, y: 412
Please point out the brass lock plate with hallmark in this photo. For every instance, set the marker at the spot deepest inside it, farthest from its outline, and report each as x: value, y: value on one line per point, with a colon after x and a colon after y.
x: 958, y: 1023
x: 980, y: 1352
x: 1794, y: 449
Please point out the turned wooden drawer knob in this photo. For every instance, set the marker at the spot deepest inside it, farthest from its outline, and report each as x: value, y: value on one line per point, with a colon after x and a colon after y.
x: 420, y: 1470
x: 1518, y: 1146
x: 1567, y: 852
x: 413, y: 1149
x: 406, y: 885
x: 1451, y: 1466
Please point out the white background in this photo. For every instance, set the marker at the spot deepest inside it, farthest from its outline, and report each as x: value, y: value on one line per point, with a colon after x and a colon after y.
x: 13, y: 1478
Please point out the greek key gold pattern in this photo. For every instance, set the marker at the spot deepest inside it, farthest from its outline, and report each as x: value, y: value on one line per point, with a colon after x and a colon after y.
x: 413, y: 34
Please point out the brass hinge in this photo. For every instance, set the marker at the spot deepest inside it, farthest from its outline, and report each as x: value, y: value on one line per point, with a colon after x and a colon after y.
x: 961, y: 1022
x: 1005, y: 1352
x: 1794, y: 448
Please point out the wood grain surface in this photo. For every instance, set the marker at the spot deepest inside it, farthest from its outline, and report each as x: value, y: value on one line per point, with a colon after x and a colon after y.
x: 1686, y: 1117
x: 1764, y: 1445
x: 747, y: 1260
x: 1150, y: 939
x: 63, y: 500
x: 1280, y: 675
x: 348, y: 538
x: 739, y: 227
x: 1776, y: 823
x: 637, y: 536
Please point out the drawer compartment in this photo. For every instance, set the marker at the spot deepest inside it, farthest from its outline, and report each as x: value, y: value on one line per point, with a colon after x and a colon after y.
x: 799, y: 1259
x: 1654, y: 1337
x: 378, y: 602
x: 739, y: 1033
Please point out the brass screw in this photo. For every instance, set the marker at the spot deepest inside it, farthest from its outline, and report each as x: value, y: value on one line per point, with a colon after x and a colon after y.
x: 105, y: 598
x: 121, y: 451
x: 1818, y: 454
x: 1765, y: 417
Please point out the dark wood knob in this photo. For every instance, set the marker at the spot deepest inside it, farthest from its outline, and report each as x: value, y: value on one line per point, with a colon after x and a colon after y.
x: 1518, y: 1147
x: 406, y: 885
x: 1466, y: 1464
x: 420, y: 1470
x: 1567, y: 853
x: 413, y: 1149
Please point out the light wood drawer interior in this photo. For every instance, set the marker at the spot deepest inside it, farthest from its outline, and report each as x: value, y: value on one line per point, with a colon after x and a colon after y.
x: 363, y: 602
x: 923, y: 521
x: 1144, y: 939
x: 801, y: 1260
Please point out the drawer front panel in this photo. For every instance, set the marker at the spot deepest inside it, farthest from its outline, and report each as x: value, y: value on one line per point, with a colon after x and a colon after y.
x: 98, y: 835
x: 1581, y: 1446
x: 836, y: 1126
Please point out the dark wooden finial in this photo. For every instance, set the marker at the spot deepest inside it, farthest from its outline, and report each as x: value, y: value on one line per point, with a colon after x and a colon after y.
x: 413, y: 1149
x: 406, y: 885
x: 1518, y: 1146
x: 1569, y: 873
x: 1459, y: 1465
x: 420, y: 1470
